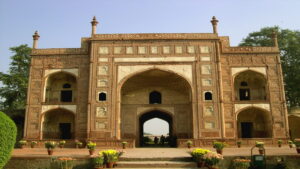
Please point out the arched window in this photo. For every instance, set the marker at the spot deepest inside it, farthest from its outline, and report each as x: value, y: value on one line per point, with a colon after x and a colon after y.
x: 207, y: 96
x: 66, y: 86
x: 66, y: 95
x: 154, y: 98
x: 102, y: 96
x: 243, y: 83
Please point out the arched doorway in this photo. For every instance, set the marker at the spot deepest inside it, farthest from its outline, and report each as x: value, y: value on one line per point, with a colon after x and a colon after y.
x: 156, y: 91
x: 154, y: 114
x: 254, y: 123
x: 294, y: 121
x: 60, y: 87
x: 58, y: 124
x: 250, y: 85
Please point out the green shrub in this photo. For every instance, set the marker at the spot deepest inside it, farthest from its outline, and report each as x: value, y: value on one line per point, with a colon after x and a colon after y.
x: 259, y: 144
x: 198, y: 154
x: 189, y: 143
x: 50, y: 144
x: 91, y: 145
x: 8, y: 134
x: 219, y: 145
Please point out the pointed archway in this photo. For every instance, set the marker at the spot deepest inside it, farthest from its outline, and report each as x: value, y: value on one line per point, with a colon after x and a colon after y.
x: 151, y: 94
x: 250, y: 85
x: 58, y: 124
x: 254, y: 123
x: 154, y: 114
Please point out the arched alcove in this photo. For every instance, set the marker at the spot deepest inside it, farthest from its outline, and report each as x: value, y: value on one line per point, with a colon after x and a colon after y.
x: 155, y: 90
x: 60, y: 87
x: 250, y: 85
x: 294, y: 121
x: 58, y: 124
x: 254, y: 123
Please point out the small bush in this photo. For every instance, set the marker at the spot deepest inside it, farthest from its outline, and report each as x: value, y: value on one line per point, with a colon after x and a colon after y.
x: 8, y: 134
x: 91, y: 145
x: 219, y: 145
x: 259, y: 144
x: 50, y: 144
x: 198, y: 154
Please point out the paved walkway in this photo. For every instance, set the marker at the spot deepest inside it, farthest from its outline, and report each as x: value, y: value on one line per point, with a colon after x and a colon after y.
x: 149, y: 152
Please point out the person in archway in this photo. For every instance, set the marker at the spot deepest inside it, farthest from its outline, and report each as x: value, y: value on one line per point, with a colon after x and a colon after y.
x: 162, y: 139
x: 155, y: 140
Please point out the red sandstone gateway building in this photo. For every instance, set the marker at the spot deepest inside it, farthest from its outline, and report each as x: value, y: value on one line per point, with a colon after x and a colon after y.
x: 205, y: 89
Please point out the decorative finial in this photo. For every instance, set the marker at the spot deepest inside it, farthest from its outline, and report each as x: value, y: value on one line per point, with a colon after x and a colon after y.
x: 214, y: 23
x: 94, y: 25
x: 36, y: 37
x: 275, y: 38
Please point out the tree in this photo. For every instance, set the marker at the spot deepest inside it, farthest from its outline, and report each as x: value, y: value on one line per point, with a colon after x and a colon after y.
x: 289, y: 45
x: 13, y: 91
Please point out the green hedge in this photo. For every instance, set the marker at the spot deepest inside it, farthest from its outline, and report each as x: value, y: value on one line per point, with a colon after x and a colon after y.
x: 8, y: 133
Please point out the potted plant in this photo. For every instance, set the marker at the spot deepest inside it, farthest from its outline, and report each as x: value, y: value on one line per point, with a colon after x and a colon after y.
x: 219, y: 146
x: 197, y: 156
x: 189, y: 143
x: 290, y: 143
x: 33, y: 143
x: 65, y: 162
x: 98, y: 161
x: 260, y: 146
x: 241, y: 163
x: 78, y: 144
x: 297, y: 143
x: 62, y: 143
x: 124, y: 143
x: 239, y: 144
x: 212, y: 159
x: 22, y: 143
x: 50, y: 146
x: 110, y: 157
x: 279, y: 142
x: 91, y: 146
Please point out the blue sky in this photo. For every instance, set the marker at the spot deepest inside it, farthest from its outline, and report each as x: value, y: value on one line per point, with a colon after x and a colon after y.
x: 62, y: 23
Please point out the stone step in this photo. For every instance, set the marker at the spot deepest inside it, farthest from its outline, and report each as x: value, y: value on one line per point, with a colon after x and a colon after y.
x: 156, y: 164
x: 187, y: 159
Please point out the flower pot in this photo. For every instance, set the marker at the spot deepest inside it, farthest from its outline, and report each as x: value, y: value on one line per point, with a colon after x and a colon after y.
x: 32, y: 146
x: 110, y: 165
x: 189, y: 146
x: 239, y: 146
x: 91, y: 151
x: 219, y: 151
x: 50, y: 152
x: 61, y: 146
x: 261, y: 151
x: 124, y: 146
x: 291, y: 145
x: 298, y: 150
x: 21, y: 146
x: 200, y: 164
x: 279, y: 145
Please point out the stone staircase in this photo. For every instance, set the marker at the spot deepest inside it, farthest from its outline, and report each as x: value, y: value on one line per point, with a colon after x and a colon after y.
x: 180, y: 162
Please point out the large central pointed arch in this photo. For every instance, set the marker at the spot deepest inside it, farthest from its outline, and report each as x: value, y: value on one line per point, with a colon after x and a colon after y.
x: 175, y: 94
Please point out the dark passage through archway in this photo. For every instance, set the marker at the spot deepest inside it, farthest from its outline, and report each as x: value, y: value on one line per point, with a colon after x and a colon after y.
x: 156, y: 114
